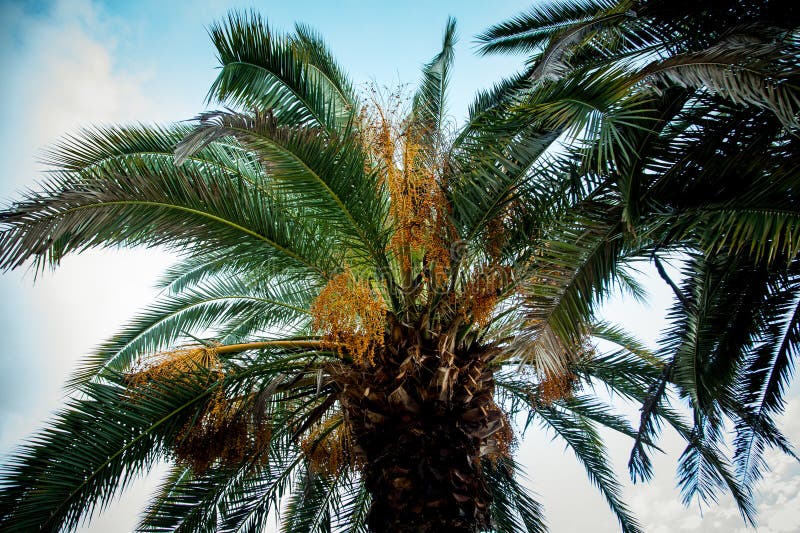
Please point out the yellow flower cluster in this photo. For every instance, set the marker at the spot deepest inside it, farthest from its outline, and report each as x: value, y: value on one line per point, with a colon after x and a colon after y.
x: 224, y: 431
x: 418, y: 207
x: 180, y: 364
x: 504, y: 440
x: 219, y: 434
x: 351, y: 318
x: 482, y: 291
x: 328, y: 447
x: 556, y: 386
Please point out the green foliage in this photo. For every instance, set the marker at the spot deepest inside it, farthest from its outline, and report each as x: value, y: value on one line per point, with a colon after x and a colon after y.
x: 628, y: 137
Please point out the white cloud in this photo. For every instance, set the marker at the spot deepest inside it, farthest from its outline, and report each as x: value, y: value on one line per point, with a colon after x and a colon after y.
x: 658, y: 506
x: 60, y: 74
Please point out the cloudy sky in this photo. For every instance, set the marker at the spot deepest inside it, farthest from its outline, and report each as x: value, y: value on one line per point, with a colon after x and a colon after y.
x: 77, y: 62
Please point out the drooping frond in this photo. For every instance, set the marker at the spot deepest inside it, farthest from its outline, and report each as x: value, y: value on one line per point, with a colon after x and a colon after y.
x: 282, y: 391
x: 312, y: 505
x: 570, y: 272
x: 513, y: 507
x: 582, y: 437
x: 145, y: 202
x: 765, y: 76
x: 93, y: 447
x: 553, y: 61
x: 703, y: 471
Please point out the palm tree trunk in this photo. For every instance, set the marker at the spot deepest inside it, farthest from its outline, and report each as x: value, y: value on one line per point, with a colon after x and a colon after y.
x: 421, y: 423
x: 425, y: 478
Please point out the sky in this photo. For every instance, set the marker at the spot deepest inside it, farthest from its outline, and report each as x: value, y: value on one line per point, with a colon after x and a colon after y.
x: 72, y: 63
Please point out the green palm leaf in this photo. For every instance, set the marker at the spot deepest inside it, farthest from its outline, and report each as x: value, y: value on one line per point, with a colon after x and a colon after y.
x: 320, y: 177
x: 429, y: 103
x: 514, y: 508
x: 531, y: 31
x: 195, y: 311
x: 80, y: 460
x: 581, y: 435
x: 142, y: 204
x: 292, y: 74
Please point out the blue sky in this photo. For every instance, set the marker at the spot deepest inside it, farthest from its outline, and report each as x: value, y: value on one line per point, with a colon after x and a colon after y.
x: 78, y: 62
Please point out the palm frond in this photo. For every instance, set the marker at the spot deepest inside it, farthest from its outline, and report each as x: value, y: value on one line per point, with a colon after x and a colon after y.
x: 192, y: 270
x: 241, y: 496
x: 153, y: 205
x: 429, y: 106
x: 354, y: 509
x: 310, y: 507
x: 264, y: 70
x: 513, y: 507
x: 571, y: 271
x: 703, y: 470
x: 762, y: 387
x: 494, y: 99
x: 319, y: 177
x: 764, y: 76
x: 530, y: 31
x: 490, y: 175
x: 582, y: 437
x: 319, y: 56
x: 552, y: 62
x: 94, y: 446
x: 198, y: 311
x: 640, y: 466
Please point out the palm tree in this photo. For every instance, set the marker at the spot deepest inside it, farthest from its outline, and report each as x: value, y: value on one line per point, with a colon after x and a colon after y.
x: 364, y: 308
x: 687, y: 115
